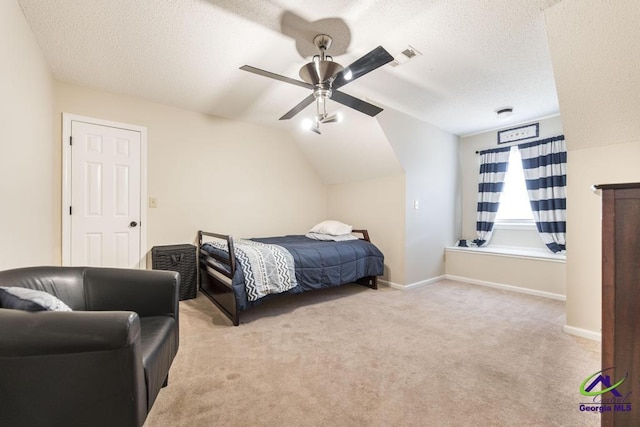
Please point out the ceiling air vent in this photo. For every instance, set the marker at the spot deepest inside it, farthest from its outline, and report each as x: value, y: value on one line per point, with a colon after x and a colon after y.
x: 402, y: 57
x: 409, y: 53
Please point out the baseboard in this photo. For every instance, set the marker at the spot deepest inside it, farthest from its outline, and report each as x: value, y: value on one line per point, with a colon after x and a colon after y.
x: 410, y: 285
x: 579, y: 332
x: 507, y: 287
x: 583, y: 333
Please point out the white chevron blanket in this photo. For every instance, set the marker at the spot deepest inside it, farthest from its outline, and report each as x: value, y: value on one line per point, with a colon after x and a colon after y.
x: 268, y: 269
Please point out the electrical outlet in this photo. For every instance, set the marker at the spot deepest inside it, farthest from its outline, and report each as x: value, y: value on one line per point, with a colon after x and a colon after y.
x: 153, y: 202
x: 416, y: 204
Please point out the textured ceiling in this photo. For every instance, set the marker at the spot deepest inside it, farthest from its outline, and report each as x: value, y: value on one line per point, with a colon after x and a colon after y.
x: 477, y: 56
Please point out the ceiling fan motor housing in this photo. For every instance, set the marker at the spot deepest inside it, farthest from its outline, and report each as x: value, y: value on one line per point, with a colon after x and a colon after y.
x: 319, y: 71
x: 322, y: 68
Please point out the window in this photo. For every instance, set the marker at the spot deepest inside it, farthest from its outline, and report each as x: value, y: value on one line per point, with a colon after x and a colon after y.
x: 514, y: 201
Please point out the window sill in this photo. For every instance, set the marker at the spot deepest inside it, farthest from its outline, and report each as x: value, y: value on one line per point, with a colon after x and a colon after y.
x: 516, y: 225
x: 515, y: 252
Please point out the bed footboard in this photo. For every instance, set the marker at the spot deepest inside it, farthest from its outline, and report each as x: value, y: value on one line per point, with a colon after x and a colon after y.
x: 215, y: 278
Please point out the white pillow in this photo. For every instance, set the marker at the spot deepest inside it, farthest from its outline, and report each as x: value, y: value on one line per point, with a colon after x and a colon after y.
x: 340, y: 238
x: 334, y: 228
x: 30, y: 300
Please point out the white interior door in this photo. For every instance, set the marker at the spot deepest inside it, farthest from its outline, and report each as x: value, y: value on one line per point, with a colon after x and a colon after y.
x: 105, y: 203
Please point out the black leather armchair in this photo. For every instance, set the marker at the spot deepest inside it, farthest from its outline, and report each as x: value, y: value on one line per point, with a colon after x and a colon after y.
x: 103, y: 363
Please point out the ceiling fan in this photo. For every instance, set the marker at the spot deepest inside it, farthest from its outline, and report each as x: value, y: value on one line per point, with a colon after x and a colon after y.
x: 324, y: 77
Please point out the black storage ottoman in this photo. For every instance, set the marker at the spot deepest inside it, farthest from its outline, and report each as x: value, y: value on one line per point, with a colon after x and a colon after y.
x: 180, y: 258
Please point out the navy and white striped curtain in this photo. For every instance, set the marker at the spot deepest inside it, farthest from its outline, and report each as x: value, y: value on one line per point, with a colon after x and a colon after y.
x: 493, y: 168
x: 545, y: 171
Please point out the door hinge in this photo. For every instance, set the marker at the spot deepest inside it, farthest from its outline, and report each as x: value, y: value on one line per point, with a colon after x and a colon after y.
x: 70, y: 211
x: 70, y: 140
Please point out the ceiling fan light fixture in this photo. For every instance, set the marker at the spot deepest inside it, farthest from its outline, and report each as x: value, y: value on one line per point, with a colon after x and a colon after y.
x: 307, y: 124
x: 334, y: 118
x: 312, y: 125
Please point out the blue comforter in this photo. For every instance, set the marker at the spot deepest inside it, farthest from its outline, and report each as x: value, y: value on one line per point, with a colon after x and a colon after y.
x: 318, y: 264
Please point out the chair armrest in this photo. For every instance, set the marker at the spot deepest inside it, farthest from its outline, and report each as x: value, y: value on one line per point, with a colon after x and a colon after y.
x: 80, y: 368
x: 147, y: 292
x: 57, y: 332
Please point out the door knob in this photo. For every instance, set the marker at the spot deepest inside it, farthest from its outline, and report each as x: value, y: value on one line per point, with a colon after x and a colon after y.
x: 133, y: 224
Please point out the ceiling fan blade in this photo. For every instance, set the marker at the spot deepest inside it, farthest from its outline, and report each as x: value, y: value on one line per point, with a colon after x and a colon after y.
x: 275, y: 76
x: 355, y: 103
x: 369, y: 62
x: 301, y: 106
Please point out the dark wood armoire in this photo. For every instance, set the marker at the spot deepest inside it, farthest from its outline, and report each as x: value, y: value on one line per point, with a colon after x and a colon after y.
x: 621, y: 300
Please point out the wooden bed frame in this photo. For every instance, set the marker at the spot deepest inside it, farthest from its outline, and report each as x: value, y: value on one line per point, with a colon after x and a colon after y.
x: 218, y: 287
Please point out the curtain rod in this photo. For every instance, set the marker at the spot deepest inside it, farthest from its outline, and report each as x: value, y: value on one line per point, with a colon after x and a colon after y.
x: 541, y: 141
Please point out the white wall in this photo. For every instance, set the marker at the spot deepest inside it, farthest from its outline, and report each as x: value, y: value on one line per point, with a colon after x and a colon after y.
x: 536, y: 276
x: 28, y: 228
x: 376, y: 205
x: 594, y: 49
x: 353, y: 150
x: 429, y: 157
x: 209, y: 173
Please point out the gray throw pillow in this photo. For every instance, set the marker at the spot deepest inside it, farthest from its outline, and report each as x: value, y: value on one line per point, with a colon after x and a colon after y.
x: 29, y: 300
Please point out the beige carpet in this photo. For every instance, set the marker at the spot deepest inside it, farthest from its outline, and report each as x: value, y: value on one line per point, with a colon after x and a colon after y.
x: 446, y: 354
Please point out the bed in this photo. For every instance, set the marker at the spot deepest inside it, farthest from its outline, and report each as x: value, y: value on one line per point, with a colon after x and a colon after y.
x: 224, y: 271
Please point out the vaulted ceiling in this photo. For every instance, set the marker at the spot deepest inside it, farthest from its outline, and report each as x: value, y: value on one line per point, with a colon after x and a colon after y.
x: 475, y: 56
